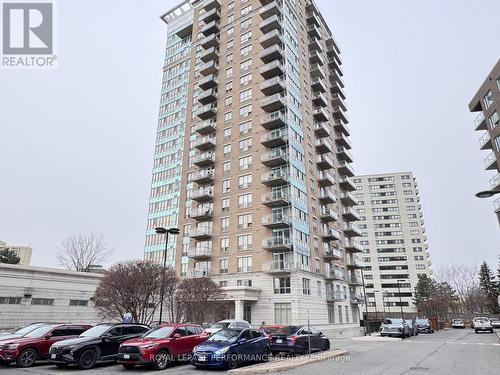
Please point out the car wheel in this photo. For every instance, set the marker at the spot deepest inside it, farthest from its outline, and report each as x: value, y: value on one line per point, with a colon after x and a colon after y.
x: 305, y: 349
x: 491, y: 331
x: 327, y: 345
x: 161, y: 360
x: 128, y: 366
x: 27, y: 358
x: 475, y: 330
x: 232, y: 361
x: 266, y: 354
x: 87, y: 359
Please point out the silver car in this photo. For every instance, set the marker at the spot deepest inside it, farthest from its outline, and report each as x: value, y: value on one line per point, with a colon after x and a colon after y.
x: 394, y: 328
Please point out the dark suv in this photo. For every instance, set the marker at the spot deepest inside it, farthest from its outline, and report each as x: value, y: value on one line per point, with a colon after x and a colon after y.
x: 98, y: 344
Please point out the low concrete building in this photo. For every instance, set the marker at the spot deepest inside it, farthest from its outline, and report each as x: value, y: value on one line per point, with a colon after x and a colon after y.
x: 23, y: 252
x: 30, y: 294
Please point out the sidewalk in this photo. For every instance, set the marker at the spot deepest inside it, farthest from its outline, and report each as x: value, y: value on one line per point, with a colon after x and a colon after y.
x: 278, y: 365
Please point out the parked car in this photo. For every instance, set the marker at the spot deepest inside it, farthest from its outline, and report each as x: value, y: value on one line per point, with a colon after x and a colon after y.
x: 98, y: 344
x: 495, y: 322
x: 230, y: 347
x: 20, y: 331
x: 296, y: 340
x: 424, y: 326
x: 482, y: 324
x: 161, y: 345
x: 394, y: 328
x: 34, y: 345
x: 270, y: 329
x: 229, y: 323
x: 412, y: 324
x: 457, y: 323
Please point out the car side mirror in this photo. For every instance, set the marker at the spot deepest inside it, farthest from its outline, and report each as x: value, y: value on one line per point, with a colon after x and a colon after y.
x: 48, y: 336
x: 106, y: 337
x: 177, y: 336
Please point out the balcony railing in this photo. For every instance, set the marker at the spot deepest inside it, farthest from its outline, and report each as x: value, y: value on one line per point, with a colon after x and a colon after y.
x: 480, y: 122
x: 277, y: 267
x: 490, y: 161
x: 335, y: 296
x: 485, y: 141
x: 273, y: 120
x: 278, y: 198
x: 495, y: 182
x: 276, y: 220
x: 276, y: 243
x: 334, y: 274
x: 195, y: 273
x: 272, y: 178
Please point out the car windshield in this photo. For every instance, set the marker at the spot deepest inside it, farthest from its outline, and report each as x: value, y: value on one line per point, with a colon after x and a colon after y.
x: 96, y: 331
x: 409, y: 322
x: 457, y: 320
x: 422, y: 321
x: 158, y: 333
x: 221, y: 325
x: 225, y: 335
x: 27, y: 329
x: 270, y: 329
x: 40, y: 331
x: 290, y: 330
x: 393, y: 321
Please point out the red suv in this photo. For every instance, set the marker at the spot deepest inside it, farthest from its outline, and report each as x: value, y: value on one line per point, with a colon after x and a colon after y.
x: 161, y: 345
x: 35, y: 345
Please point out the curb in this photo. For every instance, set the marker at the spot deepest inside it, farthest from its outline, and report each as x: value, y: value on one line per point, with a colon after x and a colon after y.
x: 283, y: 365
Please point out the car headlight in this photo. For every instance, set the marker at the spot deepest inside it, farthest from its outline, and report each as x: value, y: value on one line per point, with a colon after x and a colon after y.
x: 10, y: 346
x: 148, y: 346
x: 222, y: 351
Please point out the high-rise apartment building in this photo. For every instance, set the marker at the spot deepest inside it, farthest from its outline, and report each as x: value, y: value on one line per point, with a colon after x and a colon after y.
x: 252, y: 161
x: 23, y: 252
x: 393, y: 238
x: 486, y: 101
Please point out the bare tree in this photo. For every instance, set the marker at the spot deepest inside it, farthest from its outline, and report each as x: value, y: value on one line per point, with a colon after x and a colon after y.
x: 132, y: 287
x: 198, y: 300
x: 81, y: 252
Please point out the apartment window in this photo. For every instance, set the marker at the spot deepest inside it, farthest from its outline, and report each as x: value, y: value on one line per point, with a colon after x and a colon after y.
x: 282, y: 285
x: 244, y: 221
x: 230, y: 45
x: 226, y: 150
x: 420, y: 266
x: 417, y: 249
x: 225, y: 204
x: 245, y: 200
x: 245, y: 181
x: 42, y: 301
x: 282, y: 313
x: 244, y: 264
x: 226, y: 167
x: 10, y: 300
x: 418, y: 257
x: 245, y: 144
x: 184, y: 269
x: 246, y: 10
x: 228, y: 101
x: 245, y: 162
x: 317, y: 264
x: 246, y: 50
x: 229, y: 72
x: 341, y: 320
x: 223, y: 283
x: 331, y: 314
x: 230, y: 32
x: 246, y: 37
x: 224, y: 243
x: 497, y: 142
x: 245, y: 127
x: 493, y: 120
x: 244, y: 283
x: 246, y: 23
x: 229, y: 86
x: 409, y: 200
x: 224, y: 224
x: 229, y: 58
x: 246, y: 79
x: 488, y: 99
x: 228, y: 117
x: 245, y: 242
x: 306, y: 286
x: 245, y: 95
x: 226, y: 186
x: 319, y: 288
x: 224, y: 265
x: 79, y: 302
x: 415, y: 232
x: 244, y: 65
x: 246, y: 111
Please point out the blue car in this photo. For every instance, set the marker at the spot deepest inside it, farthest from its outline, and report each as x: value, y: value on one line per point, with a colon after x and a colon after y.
x: 231, y: 347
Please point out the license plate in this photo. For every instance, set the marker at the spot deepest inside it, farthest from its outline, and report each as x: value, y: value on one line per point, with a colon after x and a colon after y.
x: 126, y: 356
x: 279, y: 341
x: 202, y: 358
x: 53, y: 356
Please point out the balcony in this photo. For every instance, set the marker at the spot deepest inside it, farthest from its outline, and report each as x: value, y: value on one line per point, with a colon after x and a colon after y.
x: 210, y: 41
x: 480, y: 122
x: 317, y: 84
x: 317, y: 72
x: 334, y: 62
x: 324, y: 162
x: 332, y: 253
x: 319, y: 99
x: 208, y: 82
x: 348, y: 199
x: 341, y: 126
x: 335, y: 77
x: 275, y: 178
x: 329, y: 233
x: 325, y: 179
x: 277, y: 243
x: 274, y: 138
x: 273, y: 103
x: 204, y: 159
x: 342, y: 140
x: 272, y: 38
x: 276, y: 221
x: 212, y: 15
x: 312, y: 18
x: 353, y: 246
x: 316, y: 58
x: 357, y: 300
x: 337, y: 89
x: 197, y: 273
x: 339, y: 113
x: 314, y: 31
x: 338, y: 101
x: 205, y: 143
x: 328, y: 215
x: 210, y: 67
x: 210, y: 54
x: 200, y: 253
x: 274, y: 158
x: 275, y: 199
x: 272, y: 69
x: 210, y: 28
x: 334, y: 275
x: 344, y: 154
x: 322, y: 129
x: 202, y: 213
x: 201, y: 232
x: 273, y: 120
x: 326, y: 196
x: 202, y: 195
x: 345, y: 169
x: 272, y: 9
x: 355, y: 281
x: 495, y: 182
x: 350, y: 214
x: 273, y: 85
x: 323, y: 146
x: 270, y: 24
x: 355, y: 263
x: 332, y: 296
x: 272, y: 54
x: 320, y: 114
x: 491, y: 162
x: 347, y: 183
x: 211, y: 4
x: 206, y: 127
x: 314, y: 44
x: 204, y: 176
x: 208, y: 96
x: 277, y: 267
x: 485, y: 142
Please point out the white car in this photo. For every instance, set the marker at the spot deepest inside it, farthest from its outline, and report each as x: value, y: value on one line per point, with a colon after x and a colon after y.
x: 229, y: 323
x: 482, y: 324
x: 457, y: 323
x: 495, y: 322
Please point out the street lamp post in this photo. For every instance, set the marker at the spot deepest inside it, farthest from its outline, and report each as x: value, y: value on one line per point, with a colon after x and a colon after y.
x: 367, y: 330
x: 166, y: 232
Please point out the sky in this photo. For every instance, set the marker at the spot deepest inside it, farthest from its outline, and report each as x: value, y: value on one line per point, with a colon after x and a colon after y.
x: 77, y: 142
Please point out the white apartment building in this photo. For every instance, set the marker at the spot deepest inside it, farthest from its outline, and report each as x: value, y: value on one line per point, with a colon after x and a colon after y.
x: 23, y: 252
